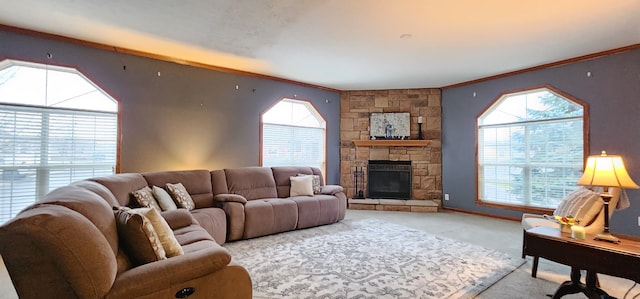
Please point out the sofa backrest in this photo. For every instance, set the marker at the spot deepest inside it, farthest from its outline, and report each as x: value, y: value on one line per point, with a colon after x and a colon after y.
x: 251, y: 182
x: 219, y: 182
x: 121, y: 185
x: 282, y: 174
x: 63, y: 246
x: 197, y: 182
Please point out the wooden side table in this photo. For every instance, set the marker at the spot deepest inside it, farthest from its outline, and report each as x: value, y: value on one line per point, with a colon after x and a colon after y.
x: 620, y: 260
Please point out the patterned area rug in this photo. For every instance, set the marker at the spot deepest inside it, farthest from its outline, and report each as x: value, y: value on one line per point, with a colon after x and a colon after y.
x: 368, y: 259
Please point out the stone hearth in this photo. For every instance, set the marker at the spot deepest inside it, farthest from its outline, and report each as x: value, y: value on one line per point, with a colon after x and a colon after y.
x: 423, y: 206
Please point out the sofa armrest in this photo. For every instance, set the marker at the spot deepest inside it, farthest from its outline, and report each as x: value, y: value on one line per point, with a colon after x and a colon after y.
x: 528, y: 215
x: 156, y: 276
x: 229, y: 198
x: 331, y: 189
x: 178, y: 218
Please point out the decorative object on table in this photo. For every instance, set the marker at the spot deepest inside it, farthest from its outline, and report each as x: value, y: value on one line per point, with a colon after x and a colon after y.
x: 358, y: 181
x: 578, y: 232
x: 420, y: 137
x: 566, y: 222
x: 606, y: 171
x: 389, y: 125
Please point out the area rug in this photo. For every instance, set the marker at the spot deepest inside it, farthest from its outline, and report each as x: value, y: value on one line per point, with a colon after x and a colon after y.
x: 368, y: 259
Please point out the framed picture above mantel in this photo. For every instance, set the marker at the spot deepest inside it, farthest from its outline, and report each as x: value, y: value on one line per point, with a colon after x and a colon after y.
x: 389, y: 126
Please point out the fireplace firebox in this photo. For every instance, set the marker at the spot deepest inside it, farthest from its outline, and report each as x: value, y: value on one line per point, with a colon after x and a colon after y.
x: 389, y: 179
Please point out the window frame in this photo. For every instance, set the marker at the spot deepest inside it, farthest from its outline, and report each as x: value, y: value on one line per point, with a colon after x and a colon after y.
x: 54, y: 110
x: 314, y: 110
x: 492, y: 104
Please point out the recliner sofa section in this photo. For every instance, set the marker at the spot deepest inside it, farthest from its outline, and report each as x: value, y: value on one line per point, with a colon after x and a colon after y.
x: 257, y: 201
x: 67, y: 245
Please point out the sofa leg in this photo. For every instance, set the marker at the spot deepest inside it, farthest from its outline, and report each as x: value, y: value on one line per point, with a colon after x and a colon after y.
x: 534, y: 269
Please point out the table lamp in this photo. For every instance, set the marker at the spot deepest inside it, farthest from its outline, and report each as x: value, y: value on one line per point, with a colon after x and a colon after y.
x: 606, y: 171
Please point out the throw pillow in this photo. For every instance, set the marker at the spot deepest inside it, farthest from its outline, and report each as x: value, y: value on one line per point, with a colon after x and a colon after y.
x: 583, y: 204
x: 138, y: 237
x: 144, y: 198
x: 165, y: 234
x: 164, y: 199
x: 315, y: 183
x: 301, y: 185
x: 181, y: 196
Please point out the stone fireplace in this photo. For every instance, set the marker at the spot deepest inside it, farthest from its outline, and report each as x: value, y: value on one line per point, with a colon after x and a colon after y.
x: 356, y: 148
x: 389, y: 179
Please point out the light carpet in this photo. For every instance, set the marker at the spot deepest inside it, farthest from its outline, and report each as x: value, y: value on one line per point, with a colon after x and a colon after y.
x: 368, y: 259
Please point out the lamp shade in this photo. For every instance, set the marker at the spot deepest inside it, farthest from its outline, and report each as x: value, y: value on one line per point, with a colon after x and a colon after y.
x: 606, y: 171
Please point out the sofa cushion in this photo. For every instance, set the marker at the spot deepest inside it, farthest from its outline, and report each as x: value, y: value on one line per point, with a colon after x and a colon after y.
x: 165, y: 234
x: 583, y: 204
x: 301, y: 185
x: 122, y: 184
x: 139, y: 238
x: 214, y: 221
x: 197, y: 182
x: 251, y: 182
x: 145, y: 199
x: 269, y: 216
x: 53, y: 251
x: 180, y: 196
x: 165, y: 201
x: 98, y: 189
x: 191, y: 234
x: 89, y: 204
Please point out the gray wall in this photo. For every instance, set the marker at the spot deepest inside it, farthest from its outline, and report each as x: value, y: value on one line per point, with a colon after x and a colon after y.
x: 613, y: 95
x: 186, y: 118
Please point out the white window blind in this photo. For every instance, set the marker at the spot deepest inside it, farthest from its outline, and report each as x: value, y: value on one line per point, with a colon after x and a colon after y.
x: 285, y: 145
x: 537, y: 166
x: 45, y: 148
x: 293, y: 134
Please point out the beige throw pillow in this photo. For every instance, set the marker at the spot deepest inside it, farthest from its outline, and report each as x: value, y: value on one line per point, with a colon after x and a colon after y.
x: 181, y: 196
x: 144, y: 198
x: 164, y: 199
x: 301, y: 185
x: 315, y: 183
x: 165, y: 234
x: 583, y: 204
x: 138, y: 237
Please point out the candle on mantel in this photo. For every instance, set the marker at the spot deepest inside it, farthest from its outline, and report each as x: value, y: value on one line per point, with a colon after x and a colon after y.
x: 419, y: 119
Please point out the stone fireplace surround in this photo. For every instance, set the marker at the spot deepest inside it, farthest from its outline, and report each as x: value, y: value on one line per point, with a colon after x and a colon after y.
x: 356, y: 107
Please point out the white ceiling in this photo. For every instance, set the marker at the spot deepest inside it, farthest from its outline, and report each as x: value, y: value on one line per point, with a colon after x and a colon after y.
x: 346, y: 44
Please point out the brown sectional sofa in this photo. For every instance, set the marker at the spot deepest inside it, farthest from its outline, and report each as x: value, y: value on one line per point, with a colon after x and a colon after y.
x: 67, y: 245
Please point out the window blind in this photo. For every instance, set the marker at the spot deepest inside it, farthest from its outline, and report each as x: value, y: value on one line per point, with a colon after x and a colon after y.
x: 532, y: 163
x: 286, y: 145
x: 45, y: 148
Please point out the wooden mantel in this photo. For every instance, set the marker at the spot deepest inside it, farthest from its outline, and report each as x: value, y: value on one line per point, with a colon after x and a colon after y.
x: 383, y: 142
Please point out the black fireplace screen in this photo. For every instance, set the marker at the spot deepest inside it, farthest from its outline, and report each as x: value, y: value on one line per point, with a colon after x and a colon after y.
x: 389, y: 179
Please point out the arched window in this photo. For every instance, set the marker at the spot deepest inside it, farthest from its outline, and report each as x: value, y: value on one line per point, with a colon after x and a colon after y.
x: 531, y: 148
x: 56, y: 127
x: 293, y: 134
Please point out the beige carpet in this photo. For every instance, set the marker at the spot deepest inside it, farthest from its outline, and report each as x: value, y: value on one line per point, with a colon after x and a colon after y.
x: 368, y: 258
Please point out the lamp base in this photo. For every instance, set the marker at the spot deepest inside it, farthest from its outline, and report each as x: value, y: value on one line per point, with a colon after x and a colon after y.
x: 607, y: 237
